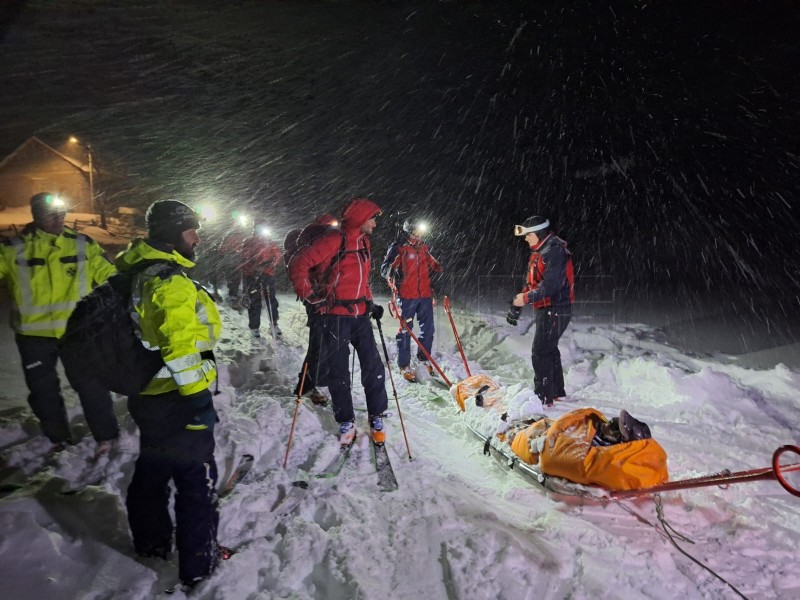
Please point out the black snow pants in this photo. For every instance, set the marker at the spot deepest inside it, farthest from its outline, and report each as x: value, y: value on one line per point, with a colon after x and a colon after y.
x: 317, y: 371
x: 258, y: 287
x: 550, y: 323
x: 39, y: 357
x: 169, y: 451
x: 340, y: 333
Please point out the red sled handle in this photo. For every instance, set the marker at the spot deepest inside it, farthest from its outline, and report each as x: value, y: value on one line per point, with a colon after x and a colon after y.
x: 396, y: 313
x: 455, y: 333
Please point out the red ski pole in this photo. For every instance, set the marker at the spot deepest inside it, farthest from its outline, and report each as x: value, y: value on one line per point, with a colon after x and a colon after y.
x: 455, y: 333
x: 395, y: 313
x: 776, y: 471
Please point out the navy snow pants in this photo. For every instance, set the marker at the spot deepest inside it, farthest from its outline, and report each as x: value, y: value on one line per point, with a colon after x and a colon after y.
x: 422, y: 309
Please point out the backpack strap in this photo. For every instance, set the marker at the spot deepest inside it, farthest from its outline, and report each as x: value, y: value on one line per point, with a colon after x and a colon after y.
x: 339, y: 255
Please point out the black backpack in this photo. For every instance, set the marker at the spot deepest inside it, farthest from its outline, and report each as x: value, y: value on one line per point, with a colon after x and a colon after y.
x: 100, y: 342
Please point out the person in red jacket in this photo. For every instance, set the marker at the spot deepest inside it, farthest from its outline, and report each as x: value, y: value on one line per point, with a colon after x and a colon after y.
x: 332, y: 276
x: 260, y: 256
x: 314, y: 367
x: 228, y: 252
x: 550, y: 288
x: 407, y: 267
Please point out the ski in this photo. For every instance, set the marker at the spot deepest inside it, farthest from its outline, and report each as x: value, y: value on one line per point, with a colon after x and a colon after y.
x: 244, y: 466
x: 292, y: 500
x: 333, y: 469
x: 387, y: 481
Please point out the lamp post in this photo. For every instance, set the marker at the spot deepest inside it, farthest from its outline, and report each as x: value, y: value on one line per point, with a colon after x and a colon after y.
x: 95, y: 205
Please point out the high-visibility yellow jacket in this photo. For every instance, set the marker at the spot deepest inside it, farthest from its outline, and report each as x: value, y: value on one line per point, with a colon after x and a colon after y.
x: 47, y: 274
x: 175, y: 315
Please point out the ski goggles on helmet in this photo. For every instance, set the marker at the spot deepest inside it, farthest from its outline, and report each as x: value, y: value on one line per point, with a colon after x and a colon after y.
x: 521, y: 230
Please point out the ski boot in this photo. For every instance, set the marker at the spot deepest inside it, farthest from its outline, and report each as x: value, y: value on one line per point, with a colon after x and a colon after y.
x: 376, y: 430
x: 347, y: 433
x: 409, y: 374
x: 318, y: 397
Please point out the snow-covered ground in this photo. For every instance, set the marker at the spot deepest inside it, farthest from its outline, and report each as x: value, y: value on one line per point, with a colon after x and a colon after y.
x: 461, y: 525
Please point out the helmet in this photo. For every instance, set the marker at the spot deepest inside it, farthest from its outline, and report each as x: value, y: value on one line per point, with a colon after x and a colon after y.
x: 412, y: 226
x: 45, y: 203
x: 536, y: 224
x: 632, y: 429
x: 168, y: 219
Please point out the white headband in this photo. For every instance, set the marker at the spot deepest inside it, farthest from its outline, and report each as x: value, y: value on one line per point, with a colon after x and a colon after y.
x: 522, y: 230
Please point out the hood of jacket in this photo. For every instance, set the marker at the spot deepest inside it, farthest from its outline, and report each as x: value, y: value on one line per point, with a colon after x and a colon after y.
x: 358, y: 212
x: 139, y: 250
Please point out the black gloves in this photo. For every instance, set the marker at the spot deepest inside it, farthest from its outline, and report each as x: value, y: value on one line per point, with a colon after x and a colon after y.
x: 315, y: 303
x: 513, y: 315
x: 376, y: 311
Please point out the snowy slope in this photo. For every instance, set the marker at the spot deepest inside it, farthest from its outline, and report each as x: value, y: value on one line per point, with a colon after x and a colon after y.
x: 461, y: 525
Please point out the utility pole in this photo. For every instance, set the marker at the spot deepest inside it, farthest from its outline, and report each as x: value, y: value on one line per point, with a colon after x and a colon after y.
x: 98, y: 207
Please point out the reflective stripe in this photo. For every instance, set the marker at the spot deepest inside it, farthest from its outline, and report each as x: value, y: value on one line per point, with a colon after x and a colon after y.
x: 163, y: 373
x: 184, y: 362
x: 27, y: 306
x: 194, y: 375
x: 47, y: 308
x: 202, y: 316
x: 80, y: 253
x: 25, y: 294
x: 145, y: 343
x: 187, y: 377
x: 60, y: 324
x: 208, y: 366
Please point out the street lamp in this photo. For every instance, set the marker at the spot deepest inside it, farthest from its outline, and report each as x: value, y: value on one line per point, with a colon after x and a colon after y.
x: 99, y: 205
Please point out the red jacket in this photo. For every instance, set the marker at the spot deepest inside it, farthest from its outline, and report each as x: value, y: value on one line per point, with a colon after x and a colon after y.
x: 334, y: 269
x: 407, y: 266
x: 260, y: 256
x: 551, y: 277
x: 232, y: 242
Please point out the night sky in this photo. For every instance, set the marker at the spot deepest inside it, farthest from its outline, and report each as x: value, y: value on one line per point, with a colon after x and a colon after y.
x: 661, y: 138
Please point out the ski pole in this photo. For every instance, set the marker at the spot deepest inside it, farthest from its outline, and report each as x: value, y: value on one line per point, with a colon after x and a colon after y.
x: 776, y: 471
x: 352, y: 370
x: 268, y: 295
x: 455, y: 333
x: 299, y: 401
x: 394, y: 389
x: 393, y: 310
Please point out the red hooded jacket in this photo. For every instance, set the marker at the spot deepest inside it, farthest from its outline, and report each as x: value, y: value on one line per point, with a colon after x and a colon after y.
x: 334, y: 269
x: 259, y: 256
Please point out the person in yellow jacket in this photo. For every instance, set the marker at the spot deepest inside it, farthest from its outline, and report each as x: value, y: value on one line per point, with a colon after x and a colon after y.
x: 175, y: 412
x: 48, y: 268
